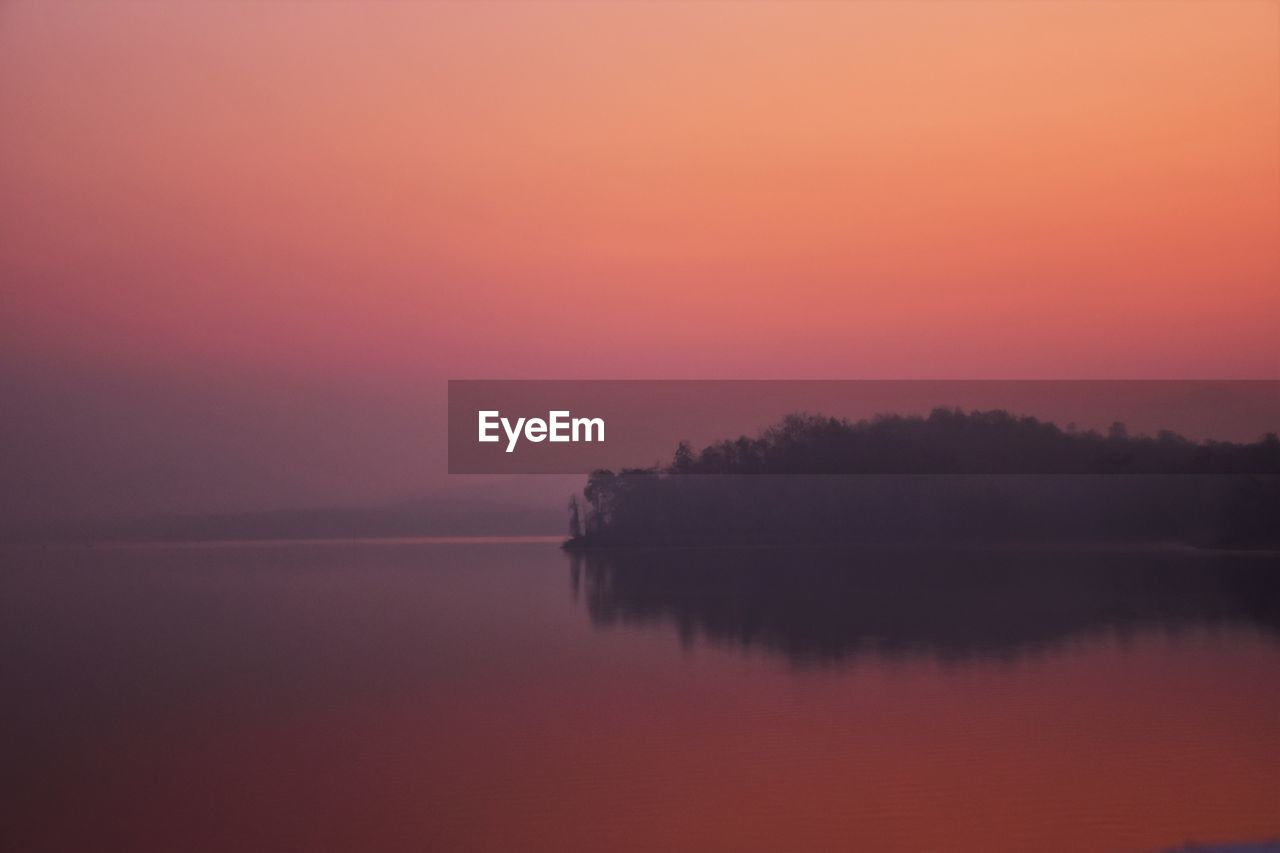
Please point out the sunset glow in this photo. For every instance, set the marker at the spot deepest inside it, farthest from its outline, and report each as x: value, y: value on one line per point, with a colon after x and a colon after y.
x: 633, y: 425
x: 410, y: 191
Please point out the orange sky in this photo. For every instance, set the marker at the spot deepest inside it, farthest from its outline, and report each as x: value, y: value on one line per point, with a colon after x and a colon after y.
x: 651, y: 189
x: 386, y: 195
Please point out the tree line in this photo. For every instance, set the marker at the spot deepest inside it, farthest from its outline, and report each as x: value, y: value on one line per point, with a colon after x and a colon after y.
x: 951, y: 474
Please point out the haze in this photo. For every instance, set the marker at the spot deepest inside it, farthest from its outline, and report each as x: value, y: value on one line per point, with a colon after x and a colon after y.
x: 242, y: 246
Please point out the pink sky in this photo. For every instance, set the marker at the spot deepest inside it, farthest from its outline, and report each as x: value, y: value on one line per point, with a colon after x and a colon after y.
x: 313, y: 214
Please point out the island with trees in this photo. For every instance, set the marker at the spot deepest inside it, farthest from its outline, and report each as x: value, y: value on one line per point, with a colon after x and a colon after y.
x: 986, y: 476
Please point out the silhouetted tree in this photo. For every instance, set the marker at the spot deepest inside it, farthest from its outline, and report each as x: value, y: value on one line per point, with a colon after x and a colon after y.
x: 683, y: 460
x: 575, y: 523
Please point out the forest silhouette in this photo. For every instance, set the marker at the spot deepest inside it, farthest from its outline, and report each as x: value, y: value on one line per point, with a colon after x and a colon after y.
x: 976, y: 476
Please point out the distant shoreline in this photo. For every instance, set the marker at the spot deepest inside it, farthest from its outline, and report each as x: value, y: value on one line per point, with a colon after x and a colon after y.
x: 549, y: 539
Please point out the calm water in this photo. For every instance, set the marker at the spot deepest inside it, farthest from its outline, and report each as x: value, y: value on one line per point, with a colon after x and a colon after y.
x: 505, y: 696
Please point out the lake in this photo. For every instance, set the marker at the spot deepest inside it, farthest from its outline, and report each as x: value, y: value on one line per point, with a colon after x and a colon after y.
x: 502, y: 695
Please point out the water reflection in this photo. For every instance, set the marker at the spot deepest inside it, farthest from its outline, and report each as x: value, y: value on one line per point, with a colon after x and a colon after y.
x: 317, y: 697
x: 830, y: 605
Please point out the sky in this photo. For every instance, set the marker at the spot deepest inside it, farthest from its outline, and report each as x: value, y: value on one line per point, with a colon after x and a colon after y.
x: 243, y: 246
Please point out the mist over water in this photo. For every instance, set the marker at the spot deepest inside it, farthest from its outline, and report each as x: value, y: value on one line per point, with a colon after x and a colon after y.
x: 250, y: 251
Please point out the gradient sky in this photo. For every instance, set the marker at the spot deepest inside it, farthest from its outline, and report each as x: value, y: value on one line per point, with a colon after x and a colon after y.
x: 243, y: 245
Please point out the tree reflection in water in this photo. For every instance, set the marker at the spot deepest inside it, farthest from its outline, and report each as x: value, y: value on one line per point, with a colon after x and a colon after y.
x: 827, y: 605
